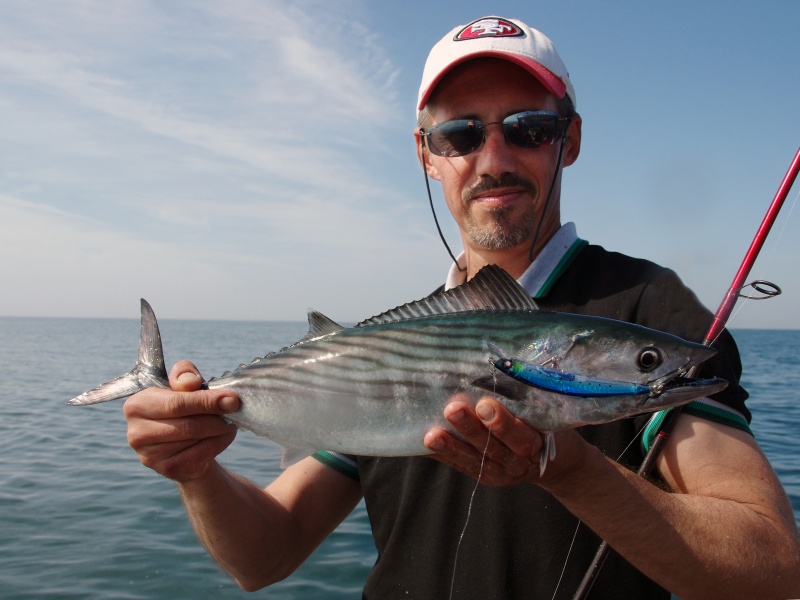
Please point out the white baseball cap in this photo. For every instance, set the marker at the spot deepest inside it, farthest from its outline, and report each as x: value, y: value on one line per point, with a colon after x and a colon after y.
x: 509, y: 39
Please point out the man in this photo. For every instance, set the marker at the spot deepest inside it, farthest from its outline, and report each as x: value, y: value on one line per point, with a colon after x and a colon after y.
x: 497, y: 125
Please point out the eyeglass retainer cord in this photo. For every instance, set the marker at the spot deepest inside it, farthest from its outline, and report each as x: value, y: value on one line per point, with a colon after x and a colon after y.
x: 541, y: 218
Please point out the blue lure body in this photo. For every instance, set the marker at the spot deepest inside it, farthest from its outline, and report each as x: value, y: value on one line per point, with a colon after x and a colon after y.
x: 567, y: 383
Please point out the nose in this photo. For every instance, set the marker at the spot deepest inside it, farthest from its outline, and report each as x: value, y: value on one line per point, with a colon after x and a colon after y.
x: 495, y: 156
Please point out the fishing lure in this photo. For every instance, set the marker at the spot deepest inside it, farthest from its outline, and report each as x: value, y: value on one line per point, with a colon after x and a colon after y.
x: 564, y: 383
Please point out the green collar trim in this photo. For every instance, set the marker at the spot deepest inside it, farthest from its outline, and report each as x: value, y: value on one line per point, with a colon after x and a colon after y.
x: 566, y: 261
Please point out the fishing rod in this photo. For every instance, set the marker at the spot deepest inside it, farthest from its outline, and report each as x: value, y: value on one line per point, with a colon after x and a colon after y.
x: 717, y: 325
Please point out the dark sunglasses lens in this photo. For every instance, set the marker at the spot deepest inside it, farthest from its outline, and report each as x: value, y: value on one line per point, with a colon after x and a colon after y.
x: 531, y: 130
x: 455, y: 138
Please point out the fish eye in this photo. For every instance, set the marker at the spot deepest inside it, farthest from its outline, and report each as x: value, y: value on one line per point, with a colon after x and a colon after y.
x: 649, y: 358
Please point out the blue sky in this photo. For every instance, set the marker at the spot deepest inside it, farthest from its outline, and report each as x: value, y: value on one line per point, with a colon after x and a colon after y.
x: 246, y: 159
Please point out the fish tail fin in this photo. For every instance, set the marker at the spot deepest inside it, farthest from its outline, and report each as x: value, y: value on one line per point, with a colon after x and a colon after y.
x: 150, y: 370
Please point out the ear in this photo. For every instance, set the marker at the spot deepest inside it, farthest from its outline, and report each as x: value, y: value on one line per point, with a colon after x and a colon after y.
x: 573, y: 143
x: 424, y: 157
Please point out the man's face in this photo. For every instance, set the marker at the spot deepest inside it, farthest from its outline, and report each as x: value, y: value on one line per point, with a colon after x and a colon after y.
x: 496, y: 194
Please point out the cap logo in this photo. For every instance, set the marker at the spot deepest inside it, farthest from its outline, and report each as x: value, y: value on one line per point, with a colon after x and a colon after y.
x: 483, y: 28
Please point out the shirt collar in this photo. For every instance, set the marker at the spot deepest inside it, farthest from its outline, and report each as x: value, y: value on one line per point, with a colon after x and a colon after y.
x: 545, y: 269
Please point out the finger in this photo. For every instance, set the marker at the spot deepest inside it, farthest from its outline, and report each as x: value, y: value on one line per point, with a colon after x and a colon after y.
x: 479, y: 465
x: 182, y: 461
x: 464, y: 420
x: 519, y: 445
x: 458, y: 454
x: 146, y: 432
x: 475, y: 431
x: 195, y: 460
x: 472, y: 448
x: 208, y: 447
x: 516, y: 435
x: 496, y: 463
x: 185, y: 377
x: 451, y: 448
x: 154, y: 456
x: 479, y: 451
x: 159, y: 404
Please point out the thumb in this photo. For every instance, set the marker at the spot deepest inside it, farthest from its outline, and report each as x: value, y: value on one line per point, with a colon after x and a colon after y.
x: 184, y: 377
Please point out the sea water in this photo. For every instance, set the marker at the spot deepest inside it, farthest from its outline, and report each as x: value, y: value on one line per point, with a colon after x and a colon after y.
x: 80, y: 517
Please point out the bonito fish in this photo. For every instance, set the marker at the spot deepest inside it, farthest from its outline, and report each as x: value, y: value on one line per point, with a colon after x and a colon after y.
x: 376, y: 389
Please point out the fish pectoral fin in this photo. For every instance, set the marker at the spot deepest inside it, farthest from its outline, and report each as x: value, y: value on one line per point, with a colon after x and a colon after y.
x: 548, y: 452
x: 291, y: 456
x: 497, y: 350
x: 503, y: 385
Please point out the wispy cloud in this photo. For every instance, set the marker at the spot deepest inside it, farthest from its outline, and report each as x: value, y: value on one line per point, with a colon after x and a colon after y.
x: 323, y: 100
x: 216, y: 133
x: 259, y: 149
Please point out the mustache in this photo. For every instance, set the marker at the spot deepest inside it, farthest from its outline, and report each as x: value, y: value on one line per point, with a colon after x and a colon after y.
x: 489, y: 183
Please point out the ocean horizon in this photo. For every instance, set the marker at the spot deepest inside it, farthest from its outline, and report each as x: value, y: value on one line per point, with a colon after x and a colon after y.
x: 82, y: 518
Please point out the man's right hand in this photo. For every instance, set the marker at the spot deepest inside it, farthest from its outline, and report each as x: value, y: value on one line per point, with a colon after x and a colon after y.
x: 178, y: 432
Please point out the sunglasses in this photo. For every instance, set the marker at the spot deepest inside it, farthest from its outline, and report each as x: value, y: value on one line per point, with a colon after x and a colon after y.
x: 529, y: 129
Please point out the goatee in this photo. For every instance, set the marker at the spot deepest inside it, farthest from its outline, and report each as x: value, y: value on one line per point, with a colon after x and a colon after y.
x: 505, y: 230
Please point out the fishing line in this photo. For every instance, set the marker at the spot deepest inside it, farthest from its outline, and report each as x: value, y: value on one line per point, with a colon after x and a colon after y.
x: 779, y: 238
x: 718, y: 324
x: 566, y: 561
x: 635, y: 437
x: 765, y: 288
x: 469, y: 512
x: 578, y: 526
x: 493, y: 372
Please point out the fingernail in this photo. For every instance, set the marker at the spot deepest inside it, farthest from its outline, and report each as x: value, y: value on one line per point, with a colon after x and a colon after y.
x: 436, y: 444
x: 458, y: 417
x: 484, y: 412
x: 188, y: 377
x: 228, y: 404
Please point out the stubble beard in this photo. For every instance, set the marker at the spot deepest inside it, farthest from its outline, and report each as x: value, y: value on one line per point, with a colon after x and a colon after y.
x: 504, y: 229
x: 503, y: 232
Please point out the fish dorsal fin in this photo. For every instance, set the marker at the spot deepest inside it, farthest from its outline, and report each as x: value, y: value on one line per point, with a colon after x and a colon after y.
x: 319, y: 325
x: 491, y: 289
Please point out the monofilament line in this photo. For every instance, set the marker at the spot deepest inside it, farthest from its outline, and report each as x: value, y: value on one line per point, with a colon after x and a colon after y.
x: 469, y: 512
x: 566, y: 560
x: 767, y: 264
x: 577, y: 527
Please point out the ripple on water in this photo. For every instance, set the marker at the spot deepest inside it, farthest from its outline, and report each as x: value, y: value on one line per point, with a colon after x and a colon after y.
x: 81, y: 518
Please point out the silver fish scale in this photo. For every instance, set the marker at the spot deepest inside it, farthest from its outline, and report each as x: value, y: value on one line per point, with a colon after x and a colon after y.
x: 382, y: 355
x: 371, y: 390
x: 377, y: 388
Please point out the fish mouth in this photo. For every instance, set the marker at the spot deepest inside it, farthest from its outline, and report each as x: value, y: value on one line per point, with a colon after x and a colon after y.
x: 672, y: 383
x: 680, y: 389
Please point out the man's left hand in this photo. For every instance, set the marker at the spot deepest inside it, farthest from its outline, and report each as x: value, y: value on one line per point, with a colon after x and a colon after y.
x: 496, y: 447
